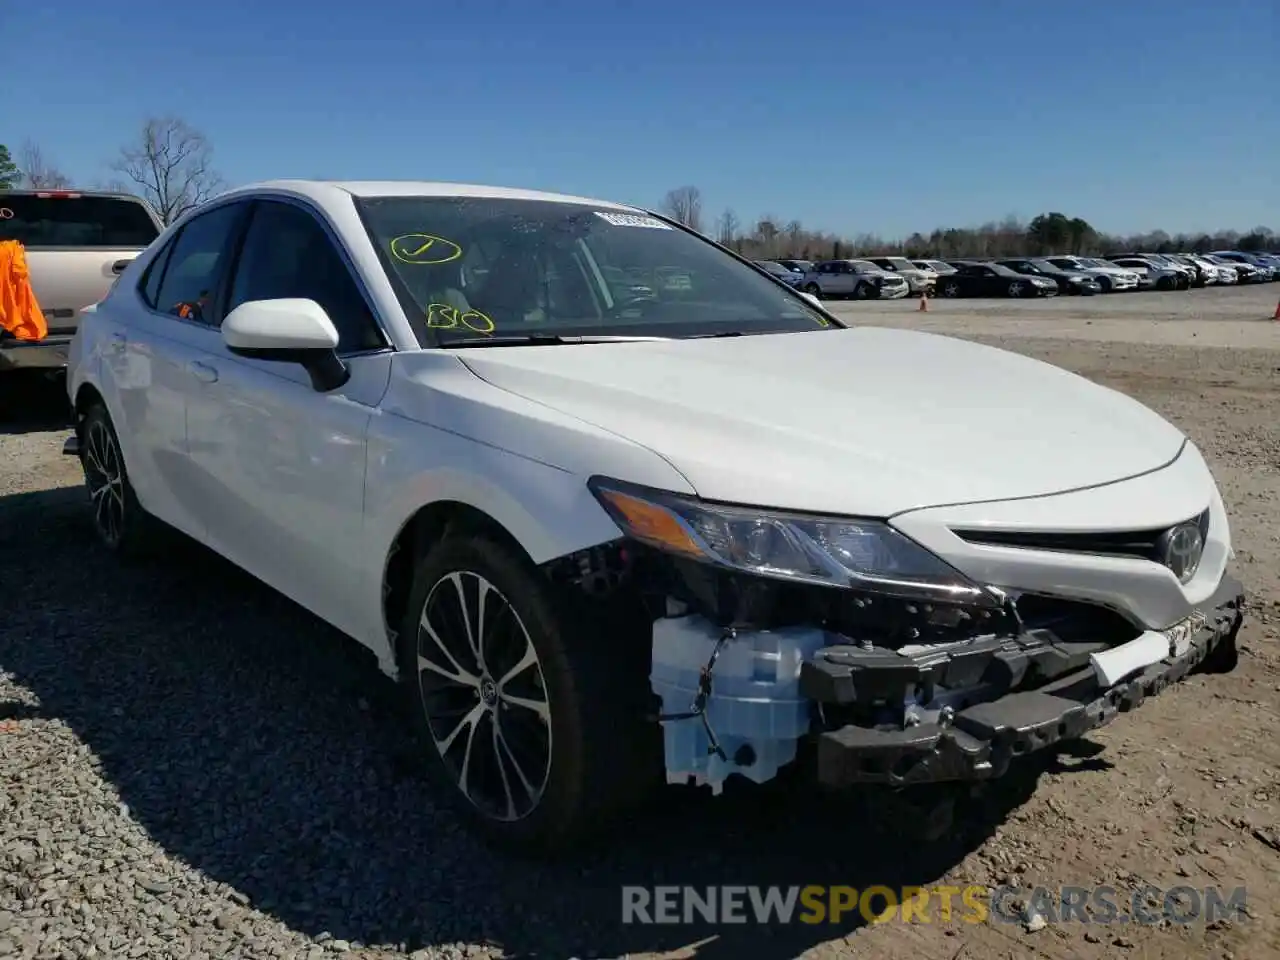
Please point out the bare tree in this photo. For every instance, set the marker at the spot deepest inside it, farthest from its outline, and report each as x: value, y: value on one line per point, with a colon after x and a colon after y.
x: 114, y: 185
x: 38, y: 172
x: 172, y: 163
x: 767, y: 231
x: 794, y: 233
x: 684, y: 205
x: 727, y: 228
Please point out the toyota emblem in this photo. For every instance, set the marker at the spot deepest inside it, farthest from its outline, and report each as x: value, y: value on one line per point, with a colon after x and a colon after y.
x: 1181, y: 548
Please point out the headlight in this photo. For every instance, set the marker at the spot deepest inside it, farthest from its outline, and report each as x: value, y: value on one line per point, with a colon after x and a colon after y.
x: 828, y: 551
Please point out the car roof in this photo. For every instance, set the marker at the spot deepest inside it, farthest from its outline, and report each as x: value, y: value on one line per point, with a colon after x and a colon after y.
x: 328, y: 190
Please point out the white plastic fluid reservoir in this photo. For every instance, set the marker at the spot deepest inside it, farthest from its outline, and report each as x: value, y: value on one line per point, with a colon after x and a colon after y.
x: 755, y: 700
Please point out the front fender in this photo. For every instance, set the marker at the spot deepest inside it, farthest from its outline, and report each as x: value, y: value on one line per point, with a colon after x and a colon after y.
x: 548, y: 510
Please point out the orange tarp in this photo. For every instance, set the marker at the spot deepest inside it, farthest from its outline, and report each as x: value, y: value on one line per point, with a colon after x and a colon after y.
x: 20, y: 313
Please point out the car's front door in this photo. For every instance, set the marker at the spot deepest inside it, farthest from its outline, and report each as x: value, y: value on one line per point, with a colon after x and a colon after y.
x: 993, y: 284
x: 284, y: 464
x: 845, y: 278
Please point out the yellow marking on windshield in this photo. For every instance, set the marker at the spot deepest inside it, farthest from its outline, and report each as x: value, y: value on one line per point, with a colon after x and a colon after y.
x: 423, y: 249
x: 443, y: 316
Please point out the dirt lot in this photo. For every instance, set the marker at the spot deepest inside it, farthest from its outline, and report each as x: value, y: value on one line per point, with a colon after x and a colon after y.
x: 193, y: 767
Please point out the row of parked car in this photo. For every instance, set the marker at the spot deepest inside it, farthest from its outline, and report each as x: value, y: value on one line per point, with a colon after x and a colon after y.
x: 889, y: 278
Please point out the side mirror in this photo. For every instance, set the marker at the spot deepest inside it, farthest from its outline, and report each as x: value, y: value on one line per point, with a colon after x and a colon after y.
x: 811, y: 298
x: 288, y: 331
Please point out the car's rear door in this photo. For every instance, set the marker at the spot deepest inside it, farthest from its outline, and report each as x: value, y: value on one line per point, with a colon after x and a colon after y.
x: 282, y: 466
x: 152, y: 340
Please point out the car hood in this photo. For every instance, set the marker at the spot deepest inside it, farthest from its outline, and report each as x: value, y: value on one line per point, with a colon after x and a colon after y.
x: 867, y: 421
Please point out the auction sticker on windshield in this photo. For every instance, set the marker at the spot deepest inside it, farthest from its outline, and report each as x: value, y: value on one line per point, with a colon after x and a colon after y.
x: 632, y: 220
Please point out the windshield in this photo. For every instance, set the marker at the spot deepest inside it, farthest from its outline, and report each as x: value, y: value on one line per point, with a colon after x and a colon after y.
x: 865, y: 266
x: 777, y: 269
x: 1065, y: 263
x: 1044, y: 265
x: 901, y: 263
x: 478, y: 266
x: 75, y: 221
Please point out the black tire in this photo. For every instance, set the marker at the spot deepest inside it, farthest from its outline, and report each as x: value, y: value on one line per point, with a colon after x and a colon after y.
x: 119, y: 520
x: 951, y: 289
x: 813, y: 290
x: 1105, y: 284
x: 602, y: 753
x: 863, y: 291
x: 1165, y: 283
x: 1016, y: 288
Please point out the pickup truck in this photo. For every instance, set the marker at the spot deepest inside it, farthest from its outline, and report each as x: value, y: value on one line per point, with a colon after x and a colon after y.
x: 77, y: 244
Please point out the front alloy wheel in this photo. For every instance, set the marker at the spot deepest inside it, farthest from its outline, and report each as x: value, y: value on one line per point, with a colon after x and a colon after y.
x: 531, y: 709
x: 951, y: 289
x: 484, y: 696
x: 1015, y: 289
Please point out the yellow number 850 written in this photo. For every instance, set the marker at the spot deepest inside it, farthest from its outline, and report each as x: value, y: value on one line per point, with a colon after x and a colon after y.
x: 442, y: 316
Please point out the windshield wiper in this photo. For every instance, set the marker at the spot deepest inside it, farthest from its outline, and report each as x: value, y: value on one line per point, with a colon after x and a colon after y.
x: 537, y: 340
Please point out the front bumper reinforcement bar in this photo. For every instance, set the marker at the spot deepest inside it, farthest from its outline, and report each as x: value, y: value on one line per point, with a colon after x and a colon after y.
x: 979, y: 741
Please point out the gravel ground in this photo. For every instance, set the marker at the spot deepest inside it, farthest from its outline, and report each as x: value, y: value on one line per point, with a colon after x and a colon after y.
x: 194, y: 767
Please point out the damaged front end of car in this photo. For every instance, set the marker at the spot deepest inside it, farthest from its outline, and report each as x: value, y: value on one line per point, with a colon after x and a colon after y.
x: 775, y: 633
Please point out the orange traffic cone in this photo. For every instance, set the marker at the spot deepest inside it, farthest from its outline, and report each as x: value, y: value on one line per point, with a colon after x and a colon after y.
x: 924, y: 303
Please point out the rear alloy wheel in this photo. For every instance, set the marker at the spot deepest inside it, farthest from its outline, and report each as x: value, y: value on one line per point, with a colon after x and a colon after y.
x: 119, y: 520
x: 534, y: 718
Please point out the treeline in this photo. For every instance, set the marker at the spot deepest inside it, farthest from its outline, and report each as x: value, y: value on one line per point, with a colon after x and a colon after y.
x: 771, y: 236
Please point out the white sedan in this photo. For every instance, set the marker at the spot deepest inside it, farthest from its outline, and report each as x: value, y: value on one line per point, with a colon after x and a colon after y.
x: 610, y: 532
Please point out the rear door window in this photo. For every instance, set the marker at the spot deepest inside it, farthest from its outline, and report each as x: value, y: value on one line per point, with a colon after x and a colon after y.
x: 75, y: 221
x: 190, y: 281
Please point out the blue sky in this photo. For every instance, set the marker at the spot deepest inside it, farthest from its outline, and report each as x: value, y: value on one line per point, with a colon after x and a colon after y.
x: 852, y: 116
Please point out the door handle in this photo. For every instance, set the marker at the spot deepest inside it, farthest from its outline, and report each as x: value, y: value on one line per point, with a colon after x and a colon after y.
x: 120, y: 265
x: 203, y: 372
